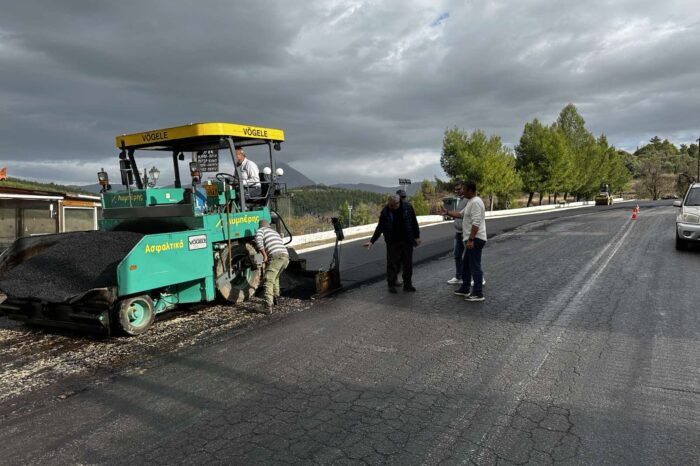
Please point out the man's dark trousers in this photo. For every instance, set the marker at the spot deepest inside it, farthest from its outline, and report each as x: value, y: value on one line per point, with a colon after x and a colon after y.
x: 399, y: 255
x: 471, y: 267
x: 459, y: 254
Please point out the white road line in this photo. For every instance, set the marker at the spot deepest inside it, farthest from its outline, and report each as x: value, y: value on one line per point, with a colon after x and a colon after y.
x: 556, y: 315
x: 567, y: 307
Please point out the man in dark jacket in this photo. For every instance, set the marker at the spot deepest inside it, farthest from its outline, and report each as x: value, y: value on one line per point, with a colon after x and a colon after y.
x: 398, y: 224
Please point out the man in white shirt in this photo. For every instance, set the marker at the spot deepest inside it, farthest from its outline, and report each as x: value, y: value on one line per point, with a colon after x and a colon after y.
x: 249, y: 172
x: 474, y: 232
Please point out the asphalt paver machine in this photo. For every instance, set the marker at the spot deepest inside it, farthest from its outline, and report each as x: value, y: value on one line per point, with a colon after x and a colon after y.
x: 156, y: 248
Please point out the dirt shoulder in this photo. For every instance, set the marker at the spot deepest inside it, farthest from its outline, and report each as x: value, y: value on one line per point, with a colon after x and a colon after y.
x: 39, y: 366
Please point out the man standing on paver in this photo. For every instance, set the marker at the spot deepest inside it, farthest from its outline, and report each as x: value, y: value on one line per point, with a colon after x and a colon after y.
x: 399, y: 225
x: 275, y: 255
x: 458, y: 249
x: 474, y: 231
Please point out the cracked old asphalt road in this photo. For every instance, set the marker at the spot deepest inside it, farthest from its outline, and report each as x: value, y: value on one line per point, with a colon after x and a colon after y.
x: 586, y: 352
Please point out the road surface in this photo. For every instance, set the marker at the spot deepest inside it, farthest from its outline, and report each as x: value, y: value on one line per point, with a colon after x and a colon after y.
x: 359, y: 265
x: 587, y: 351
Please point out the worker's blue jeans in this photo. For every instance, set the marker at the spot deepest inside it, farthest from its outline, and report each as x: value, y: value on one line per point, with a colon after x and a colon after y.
x: 471, y: 268
x: 459, y: 254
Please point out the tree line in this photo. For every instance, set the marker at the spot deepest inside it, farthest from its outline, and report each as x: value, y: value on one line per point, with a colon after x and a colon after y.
x: 664, y: 169
x: 561, y: 159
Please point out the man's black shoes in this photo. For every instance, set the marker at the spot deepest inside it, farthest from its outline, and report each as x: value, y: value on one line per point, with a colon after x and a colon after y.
x: 410, y: 288
x: 475, y: 298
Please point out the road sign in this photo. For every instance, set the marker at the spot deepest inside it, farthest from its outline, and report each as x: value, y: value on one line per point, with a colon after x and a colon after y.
x: 404, y: 181
x: 208, y: 160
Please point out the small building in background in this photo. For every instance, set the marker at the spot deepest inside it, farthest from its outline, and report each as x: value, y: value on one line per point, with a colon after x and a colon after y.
x: 26, y: 212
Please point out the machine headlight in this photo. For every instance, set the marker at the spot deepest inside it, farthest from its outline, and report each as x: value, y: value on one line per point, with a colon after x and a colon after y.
x: 690, y: 218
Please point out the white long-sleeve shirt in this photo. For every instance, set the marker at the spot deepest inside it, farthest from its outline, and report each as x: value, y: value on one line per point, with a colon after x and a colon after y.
x: 250, y: 174
x: 474, y: 214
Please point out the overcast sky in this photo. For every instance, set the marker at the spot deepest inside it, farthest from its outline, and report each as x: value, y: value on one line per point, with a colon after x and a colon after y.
x: 363, y: 89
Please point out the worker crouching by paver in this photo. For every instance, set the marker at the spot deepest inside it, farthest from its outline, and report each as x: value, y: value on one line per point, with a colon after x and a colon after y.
x: 398, y: 224
x: 276, y: 258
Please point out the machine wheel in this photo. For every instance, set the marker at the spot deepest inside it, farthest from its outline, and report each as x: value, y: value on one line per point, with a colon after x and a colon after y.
x: 680, y: 244
x: 135, y: 316
x: 244, y: 279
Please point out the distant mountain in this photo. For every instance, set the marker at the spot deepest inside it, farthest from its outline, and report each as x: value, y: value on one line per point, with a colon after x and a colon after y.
x: 411, y: 189
x: 294, y: 179
x: 89, y: 188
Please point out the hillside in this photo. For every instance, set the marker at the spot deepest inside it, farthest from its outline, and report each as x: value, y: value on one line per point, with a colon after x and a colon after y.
x: 411, y: 189
x: 35, y: 185
x: 324, y: 200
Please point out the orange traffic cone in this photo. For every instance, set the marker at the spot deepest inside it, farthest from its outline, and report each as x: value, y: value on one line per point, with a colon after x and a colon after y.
x: 634, y: 214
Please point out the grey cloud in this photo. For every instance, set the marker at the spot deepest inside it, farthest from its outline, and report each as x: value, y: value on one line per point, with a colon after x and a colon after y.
x: 353, y: 84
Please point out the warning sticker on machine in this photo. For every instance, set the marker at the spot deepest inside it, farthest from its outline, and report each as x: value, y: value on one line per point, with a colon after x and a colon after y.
x: 197, y: 242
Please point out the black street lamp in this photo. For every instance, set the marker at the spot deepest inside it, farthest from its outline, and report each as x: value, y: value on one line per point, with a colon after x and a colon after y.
x: 153, y: 175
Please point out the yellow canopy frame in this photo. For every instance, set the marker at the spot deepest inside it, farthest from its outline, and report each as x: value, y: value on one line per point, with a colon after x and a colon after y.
x: 170, y: 138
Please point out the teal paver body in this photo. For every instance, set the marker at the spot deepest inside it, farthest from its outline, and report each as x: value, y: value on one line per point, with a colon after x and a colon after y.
x: 179, y: 262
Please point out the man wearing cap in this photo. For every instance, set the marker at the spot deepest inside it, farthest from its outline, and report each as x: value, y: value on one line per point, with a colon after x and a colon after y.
x: 399, y: 225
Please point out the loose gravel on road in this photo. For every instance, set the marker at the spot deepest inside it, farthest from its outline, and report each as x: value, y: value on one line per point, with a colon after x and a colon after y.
x: 38, y: 365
